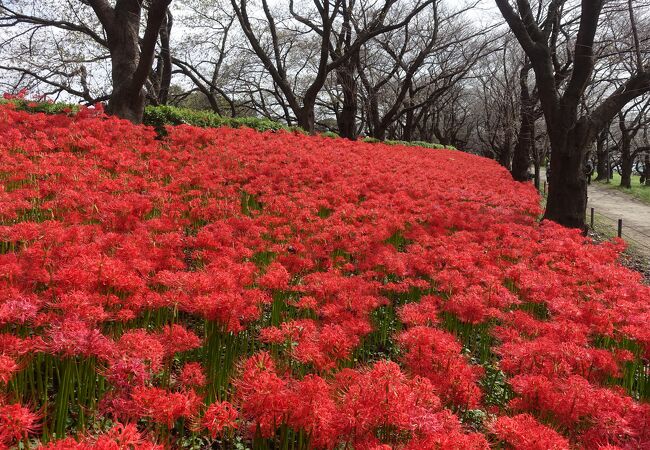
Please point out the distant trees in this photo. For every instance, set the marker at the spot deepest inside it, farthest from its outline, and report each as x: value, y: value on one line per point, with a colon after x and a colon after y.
x: 378, y: 68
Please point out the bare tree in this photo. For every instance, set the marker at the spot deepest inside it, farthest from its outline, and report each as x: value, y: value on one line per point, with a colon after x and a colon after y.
x: 411, y: 69
x: 117, y: 29
x: 321, y: 22
x: 632, y: 120
x: 570, y: 131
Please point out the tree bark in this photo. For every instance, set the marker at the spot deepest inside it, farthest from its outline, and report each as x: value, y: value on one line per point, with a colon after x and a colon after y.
x: 627, y: 164
x: 646, y: 168
x: 521, y: 157
x: 567, y: 191
x: 166, y: 59
x: 601, y: 155
x: 305, y: 118
x: 125, y: 101
x: 131, y: 57
x: 347, y: 117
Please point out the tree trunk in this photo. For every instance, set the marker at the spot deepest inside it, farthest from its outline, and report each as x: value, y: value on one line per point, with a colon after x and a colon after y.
x: 538, y: 175
x: 627, y: 164
x: 627, y: 161
x: 505, y: 156
x: 347, y: 118
x: 646, y: 168
x: 521, y: 157
x: 305, y: 118
x: 567, y: 191
x: 165, y: 56
x: 125, y: 55
x: 601, y: 155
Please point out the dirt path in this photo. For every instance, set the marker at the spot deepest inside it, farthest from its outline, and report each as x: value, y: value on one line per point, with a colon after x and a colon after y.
x: 611, y: 205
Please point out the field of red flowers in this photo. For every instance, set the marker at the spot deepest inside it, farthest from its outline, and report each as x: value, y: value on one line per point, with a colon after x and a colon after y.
x: 224, y: 288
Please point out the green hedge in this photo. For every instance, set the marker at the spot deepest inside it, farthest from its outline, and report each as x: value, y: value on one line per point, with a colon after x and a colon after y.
x: 424, y: 144
x: 42, y: 107
x: 159, y: 116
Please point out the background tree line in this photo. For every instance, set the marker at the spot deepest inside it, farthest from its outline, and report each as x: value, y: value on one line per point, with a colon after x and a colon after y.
x: 533, y: 79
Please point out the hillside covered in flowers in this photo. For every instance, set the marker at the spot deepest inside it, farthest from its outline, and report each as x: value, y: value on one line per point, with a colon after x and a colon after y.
x: 225, y: 288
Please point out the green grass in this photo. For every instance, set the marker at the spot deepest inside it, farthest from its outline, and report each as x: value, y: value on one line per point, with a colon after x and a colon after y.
x: 638, y: 191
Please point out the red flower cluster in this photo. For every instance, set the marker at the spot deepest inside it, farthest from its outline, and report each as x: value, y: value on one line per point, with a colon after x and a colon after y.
x: 299, y: 292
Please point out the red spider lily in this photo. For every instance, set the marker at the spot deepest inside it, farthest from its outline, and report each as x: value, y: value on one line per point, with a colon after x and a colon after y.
x: 139, y: 274
x: 192, y: 376
x: 219, y: 416
x: 524, y: 432
x: 164, y: 407
x: 435, y: 355
x: 16, y: 423
x: 8, y: 367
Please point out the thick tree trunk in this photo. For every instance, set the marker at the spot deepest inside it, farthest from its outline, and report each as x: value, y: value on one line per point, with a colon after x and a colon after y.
x: 379, y: 132
x: 347, y: 117
x: 125, y: 102
x: 521, y: 157
x: 305, y: 118
x: 567, y: 192
x: 627, y: 161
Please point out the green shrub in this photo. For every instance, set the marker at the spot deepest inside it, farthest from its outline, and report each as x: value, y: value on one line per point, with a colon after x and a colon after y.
x: 42, y: 107
x: 330, y: 134
x: 409, y: 143
x: 159, y: 116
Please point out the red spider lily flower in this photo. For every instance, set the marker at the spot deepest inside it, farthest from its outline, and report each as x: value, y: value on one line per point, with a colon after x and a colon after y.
x: 8, y: 367
x: 192, y: 375
x: 164, y: 407
x: 276, y: 277
x: 218, y: 417
x: 16, y: 423
x: 434, y: 354
x: 524, y: 432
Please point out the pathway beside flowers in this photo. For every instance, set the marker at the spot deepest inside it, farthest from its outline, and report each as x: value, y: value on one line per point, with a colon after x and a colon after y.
x: 635, y: 214
x: 228, y: 288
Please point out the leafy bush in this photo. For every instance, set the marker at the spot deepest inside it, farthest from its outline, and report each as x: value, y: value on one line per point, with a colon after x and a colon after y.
x: 160, y: 116
x: 372, y: 140
x: 330, y: 134
x: 42, y: 107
